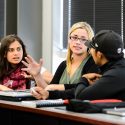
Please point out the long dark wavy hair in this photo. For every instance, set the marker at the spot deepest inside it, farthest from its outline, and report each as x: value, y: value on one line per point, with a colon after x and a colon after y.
x: 5, y: 66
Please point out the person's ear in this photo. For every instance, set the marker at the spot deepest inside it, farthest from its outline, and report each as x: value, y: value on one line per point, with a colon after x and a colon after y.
x: 88, y: 50
x: 99, y: 54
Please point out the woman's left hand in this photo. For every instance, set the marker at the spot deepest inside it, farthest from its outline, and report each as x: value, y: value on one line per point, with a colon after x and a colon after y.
x: 39, y: 93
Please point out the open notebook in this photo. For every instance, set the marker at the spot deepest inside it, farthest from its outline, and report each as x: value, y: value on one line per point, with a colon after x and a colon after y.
x: 16, y: 95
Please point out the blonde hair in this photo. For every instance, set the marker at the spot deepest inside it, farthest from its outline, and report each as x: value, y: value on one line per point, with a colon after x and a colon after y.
x: 79, y: 25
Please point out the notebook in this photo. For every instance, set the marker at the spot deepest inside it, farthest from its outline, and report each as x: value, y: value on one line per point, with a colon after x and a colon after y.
x: 16, y: 95
x: 115, y: 111
x: 45, y: 103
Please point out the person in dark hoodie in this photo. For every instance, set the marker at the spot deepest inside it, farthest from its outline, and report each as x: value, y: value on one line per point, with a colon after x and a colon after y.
x: 106, y: 49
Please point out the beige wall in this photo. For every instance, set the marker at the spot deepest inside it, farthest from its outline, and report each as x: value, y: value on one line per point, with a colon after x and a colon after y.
x: 47, y: 33
x: 34, y: 27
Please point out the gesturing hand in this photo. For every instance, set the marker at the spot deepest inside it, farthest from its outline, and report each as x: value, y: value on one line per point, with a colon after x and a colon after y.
x: 32, y: 67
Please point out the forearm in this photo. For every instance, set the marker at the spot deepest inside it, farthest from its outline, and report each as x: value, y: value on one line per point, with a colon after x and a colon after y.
x: 55, y: 87
x: 47, y: 76
x: 40, y: 81
x: 2, y: 88
x: 80, y: 87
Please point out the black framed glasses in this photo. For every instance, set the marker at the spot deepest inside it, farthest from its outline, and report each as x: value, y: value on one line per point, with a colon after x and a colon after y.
x: 76, y: 38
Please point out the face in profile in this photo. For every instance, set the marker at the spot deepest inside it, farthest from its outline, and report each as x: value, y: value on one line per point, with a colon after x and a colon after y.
x: 96, y: 56
x: 15, y: 53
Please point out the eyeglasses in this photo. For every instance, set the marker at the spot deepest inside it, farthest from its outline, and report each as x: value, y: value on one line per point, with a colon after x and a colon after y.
x: 75, y: 38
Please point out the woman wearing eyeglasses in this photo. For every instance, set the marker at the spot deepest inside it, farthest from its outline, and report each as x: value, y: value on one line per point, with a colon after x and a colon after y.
x: 78, y: 60
x: 69, y: 72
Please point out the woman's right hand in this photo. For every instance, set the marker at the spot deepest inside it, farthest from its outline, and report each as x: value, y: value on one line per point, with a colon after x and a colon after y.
x: 32, y: 67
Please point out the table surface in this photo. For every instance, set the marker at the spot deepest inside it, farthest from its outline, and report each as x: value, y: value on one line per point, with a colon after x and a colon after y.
x: 58, y: 112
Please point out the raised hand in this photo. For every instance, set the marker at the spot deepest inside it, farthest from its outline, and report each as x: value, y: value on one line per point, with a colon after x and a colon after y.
x: 27, y: 76
x: 32, y: 67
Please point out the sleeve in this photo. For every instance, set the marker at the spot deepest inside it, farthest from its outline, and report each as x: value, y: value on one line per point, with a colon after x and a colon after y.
x: 102, y: 88
x: 67, y: 94
x: 58, y: 73
x: 69, y: 86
